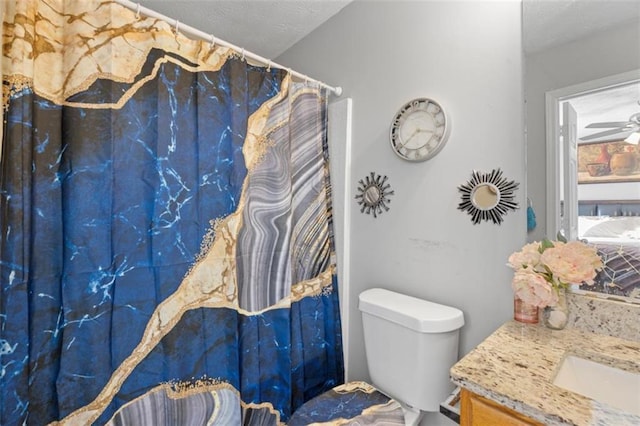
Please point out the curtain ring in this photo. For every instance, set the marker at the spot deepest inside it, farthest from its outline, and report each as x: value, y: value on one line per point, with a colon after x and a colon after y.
x: 243, y: 53
x: 213, y: 42
x: 177, y: 26
x: 138, y: 11
x: 268, y: 66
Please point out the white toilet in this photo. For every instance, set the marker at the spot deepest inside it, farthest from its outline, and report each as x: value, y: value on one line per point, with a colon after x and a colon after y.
x: 410, y: 344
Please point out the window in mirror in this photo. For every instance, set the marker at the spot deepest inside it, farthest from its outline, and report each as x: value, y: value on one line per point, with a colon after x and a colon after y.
x: 597, y: 185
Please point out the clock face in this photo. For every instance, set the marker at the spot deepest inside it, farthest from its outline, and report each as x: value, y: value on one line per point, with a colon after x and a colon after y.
x: 419, y: 130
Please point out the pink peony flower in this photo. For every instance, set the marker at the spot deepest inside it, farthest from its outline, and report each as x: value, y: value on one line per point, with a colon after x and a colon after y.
x: 528, y: 256
x: 572, y: 263
x: 533, y: 288
x: 542, y: 269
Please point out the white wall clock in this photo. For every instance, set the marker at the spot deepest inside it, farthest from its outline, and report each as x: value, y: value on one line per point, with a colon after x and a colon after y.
x: 419, y: 130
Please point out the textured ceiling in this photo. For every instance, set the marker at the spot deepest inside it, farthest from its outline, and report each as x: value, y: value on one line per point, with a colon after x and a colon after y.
x: 269, y: 27
x: 548, y: 23
x: 264, y: 27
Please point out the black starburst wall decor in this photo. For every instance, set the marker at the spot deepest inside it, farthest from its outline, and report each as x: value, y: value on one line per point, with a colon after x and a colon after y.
x: 488, y: 196
x: 373, y: 194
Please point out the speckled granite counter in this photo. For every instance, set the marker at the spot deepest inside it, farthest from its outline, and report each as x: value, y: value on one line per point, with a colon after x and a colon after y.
x: 516, y: 365
x: 604, y: 316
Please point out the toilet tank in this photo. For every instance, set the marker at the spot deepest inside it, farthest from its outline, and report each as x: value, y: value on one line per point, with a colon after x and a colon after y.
x: 410, y: 344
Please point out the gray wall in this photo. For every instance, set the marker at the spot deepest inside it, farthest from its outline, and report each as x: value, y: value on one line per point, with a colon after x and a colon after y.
x: 467, y: 56
x: 608, y: 53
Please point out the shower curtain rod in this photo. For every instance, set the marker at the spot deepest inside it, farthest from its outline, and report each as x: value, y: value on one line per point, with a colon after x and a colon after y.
x: 186, y: 29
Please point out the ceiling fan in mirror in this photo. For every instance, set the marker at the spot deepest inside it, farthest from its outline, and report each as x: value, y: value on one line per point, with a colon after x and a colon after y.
x: 617, y: 127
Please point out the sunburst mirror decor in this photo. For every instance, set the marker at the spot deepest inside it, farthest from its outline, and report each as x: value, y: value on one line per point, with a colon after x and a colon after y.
x: 373, y: 194
x: 488, y: 196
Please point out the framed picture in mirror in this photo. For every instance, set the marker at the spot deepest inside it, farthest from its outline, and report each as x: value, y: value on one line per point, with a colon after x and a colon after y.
x: 606, y: 162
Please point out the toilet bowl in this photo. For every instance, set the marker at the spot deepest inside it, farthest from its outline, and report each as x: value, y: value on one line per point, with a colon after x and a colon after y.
x: 410, y: 346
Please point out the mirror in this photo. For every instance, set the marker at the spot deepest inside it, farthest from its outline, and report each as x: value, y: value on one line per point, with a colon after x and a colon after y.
x: 568, y: 45
x: 373, y: 194
x: 488, y: 196
x: 485, y: 196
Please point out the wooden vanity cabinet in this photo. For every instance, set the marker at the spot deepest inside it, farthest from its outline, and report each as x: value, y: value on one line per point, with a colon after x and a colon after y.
x: 478, y: 411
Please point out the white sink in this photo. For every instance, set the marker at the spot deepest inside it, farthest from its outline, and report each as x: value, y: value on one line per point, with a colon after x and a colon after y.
x: 618, y: 388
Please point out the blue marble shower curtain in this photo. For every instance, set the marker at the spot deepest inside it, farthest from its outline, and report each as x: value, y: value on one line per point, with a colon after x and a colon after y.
x: 166, y: 253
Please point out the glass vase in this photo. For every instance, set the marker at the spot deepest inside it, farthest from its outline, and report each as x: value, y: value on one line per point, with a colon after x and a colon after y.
x: 556, y: 317
x: 524, y: 312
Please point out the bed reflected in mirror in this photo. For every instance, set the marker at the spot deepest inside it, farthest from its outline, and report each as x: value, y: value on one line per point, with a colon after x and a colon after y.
x: 613, y: 227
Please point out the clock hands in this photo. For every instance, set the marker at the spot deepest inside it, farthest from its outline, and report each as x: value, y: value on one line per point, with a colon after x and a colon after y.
x: 415, y: 132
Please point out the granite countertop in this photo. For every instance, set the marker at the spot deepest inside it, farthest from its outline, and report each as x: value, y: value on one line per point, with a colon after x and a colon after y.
x: 516, y: 365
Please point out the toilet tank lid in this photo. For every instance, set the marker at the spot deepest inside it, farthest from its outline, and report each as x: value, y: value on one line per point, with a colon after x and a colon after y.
x: 417, y: 314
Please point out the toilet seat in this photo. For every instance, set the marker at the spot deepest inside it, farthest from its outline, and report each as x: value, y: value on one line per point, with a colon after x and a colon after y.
x: 344, y: 404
